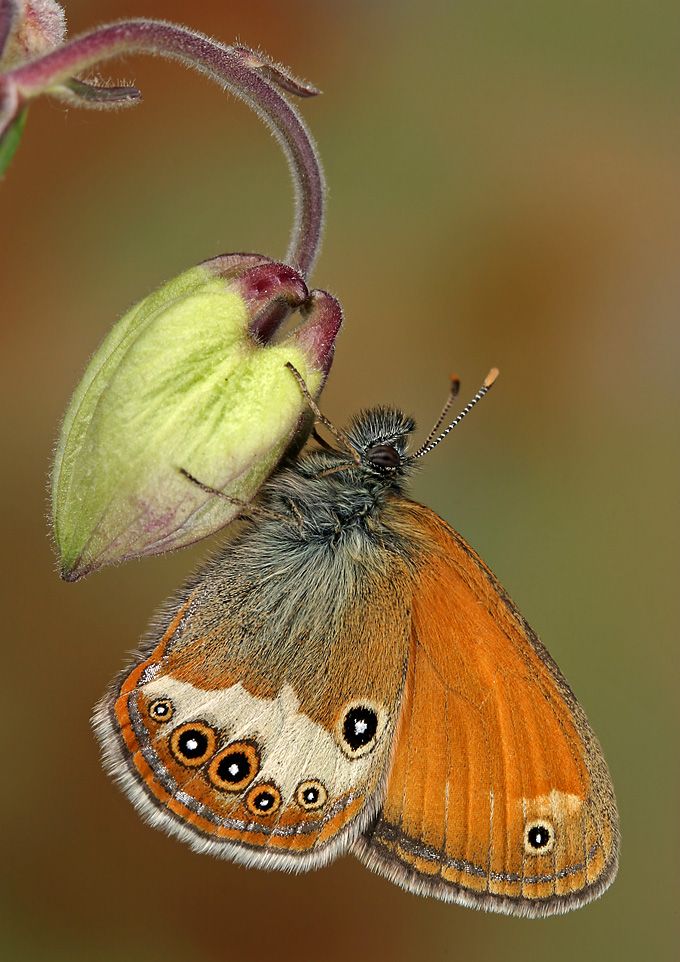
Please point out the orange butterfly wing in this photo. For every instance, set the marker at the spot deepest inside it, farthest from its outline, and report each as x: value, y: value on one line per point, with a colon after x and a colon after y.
x: 245, y: 728
x: 498, y: 795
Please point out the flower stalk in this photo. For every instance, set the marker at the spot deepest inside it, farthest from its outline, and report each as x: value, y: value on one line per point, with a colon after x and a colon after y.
x: 246, y: 74
x: 193, y: 383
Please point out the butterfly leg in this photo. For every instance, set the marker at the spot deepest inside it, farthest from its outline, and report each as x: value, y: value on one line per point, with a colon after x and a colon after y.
x: 339, y: 435
x: 298, y: 514
x: 322, y: 441
x: 249, y: 512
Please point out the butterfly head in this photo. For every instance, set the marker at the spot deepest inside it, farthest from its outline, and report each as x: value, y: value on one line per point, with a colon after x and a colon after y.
x: 374, y: 448
x: 379, y: 437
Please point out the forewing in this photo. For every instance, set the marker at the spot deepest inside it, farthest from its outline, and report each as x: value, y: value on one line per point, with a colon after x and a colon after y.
x: 259, y: 726
x: 498, y: 795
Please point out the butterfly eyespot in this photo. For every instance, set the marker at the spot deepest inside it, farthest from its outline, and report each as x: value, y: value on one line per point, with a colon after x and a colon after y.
x: 357, y: 729
x: 383, y: 456
x: 234, y: 768
x: 161, y: 709
x: 263, y: 799
x: 311, y: 795
x: 539, y: 837
x: 193, y: 743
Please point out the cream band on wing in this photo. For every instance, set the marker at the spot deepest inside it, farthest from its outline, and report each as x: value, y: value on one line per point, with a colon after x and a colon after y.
x: 275, y: 727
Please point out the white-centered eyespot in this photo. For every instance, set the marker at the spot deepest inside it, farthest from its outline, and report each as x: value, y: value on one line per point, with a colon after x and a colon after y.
x: 161, y: 709
x: 311, y: 795
x: 192, y: 744
x: 359, y: 727
x: 263, y: 799
x: 234, y: 767
x: 539, y: 837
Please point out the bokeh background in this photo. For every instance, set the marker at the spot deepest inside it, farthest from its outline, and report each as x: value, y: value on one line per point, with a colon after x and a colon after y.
x: 504, y: 189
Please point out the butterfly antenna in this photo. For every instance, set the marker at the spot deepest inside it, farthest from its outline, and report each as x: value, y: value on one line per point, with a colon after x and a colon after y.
x: 453, y: 394
x: 339, y: 435
x: 432, y: 443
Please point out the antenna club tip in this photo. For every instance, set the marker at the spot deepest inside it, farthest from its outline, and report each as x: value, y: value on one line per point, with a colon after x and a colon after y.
x: 455, y: 384
x: 491, y: 377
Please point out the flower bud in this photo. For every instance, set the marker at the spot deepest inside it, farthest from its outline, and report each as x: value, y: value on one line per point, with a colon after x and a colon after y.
x: 40, y: 26
x: 188, y: 379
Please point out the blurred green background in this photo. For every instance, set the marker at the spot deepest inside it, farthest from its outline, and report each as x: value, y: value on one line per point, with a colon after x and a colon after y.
x: 504, y: 189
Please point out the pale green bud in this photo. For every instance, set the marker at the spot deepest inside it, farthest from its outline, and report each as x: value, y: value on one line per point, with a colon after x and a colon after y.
x: 188, y: 379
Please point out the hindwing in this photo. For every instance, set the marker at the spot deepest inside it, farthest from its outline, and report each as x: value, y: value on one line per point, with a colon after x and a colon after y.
x: 258, y: 726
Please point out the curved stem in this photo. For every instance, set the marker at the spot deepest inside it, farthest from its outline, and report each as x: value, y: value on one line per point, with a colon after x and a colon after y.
x: 9, y: 105
x: 244, y: 74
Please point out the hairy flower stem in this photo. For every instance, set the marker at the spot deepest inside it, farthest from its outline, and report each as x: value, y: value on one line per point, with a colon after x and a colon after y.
x: 236, y: 68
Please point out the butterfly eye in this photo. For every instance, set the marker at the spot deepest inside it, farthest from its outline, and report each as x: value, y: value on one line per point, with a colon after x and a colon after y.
x: 161, y: 710
x: 263, y: 799
x: 383, y: 456
x: 193, y: 743
x: 358, y: 730
x: 311, y: 795
x: 539, y: 837
x: 235, y: 766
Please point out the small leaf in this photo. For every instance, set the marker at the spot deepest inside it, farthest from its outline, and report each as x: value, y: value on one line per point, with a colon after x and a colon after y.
x: 10, y: 140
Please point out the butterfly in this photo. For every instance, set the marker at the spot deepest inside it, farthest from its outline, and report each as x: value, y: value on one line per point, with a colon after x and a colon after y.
x: 347, y: 675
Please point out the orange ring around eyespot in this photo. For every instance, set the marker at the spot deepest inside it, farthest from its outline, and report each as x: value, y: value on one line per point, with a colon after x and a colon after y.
x: 203, y: 729
x: 303, y: 787
x: 156, y: 703
x: 249, y: 751
x: 257, y: 792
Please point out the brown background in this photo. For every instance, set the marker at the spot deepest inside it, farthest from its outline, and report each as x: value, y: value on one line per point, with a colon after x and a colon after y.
x: 505, y: 189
